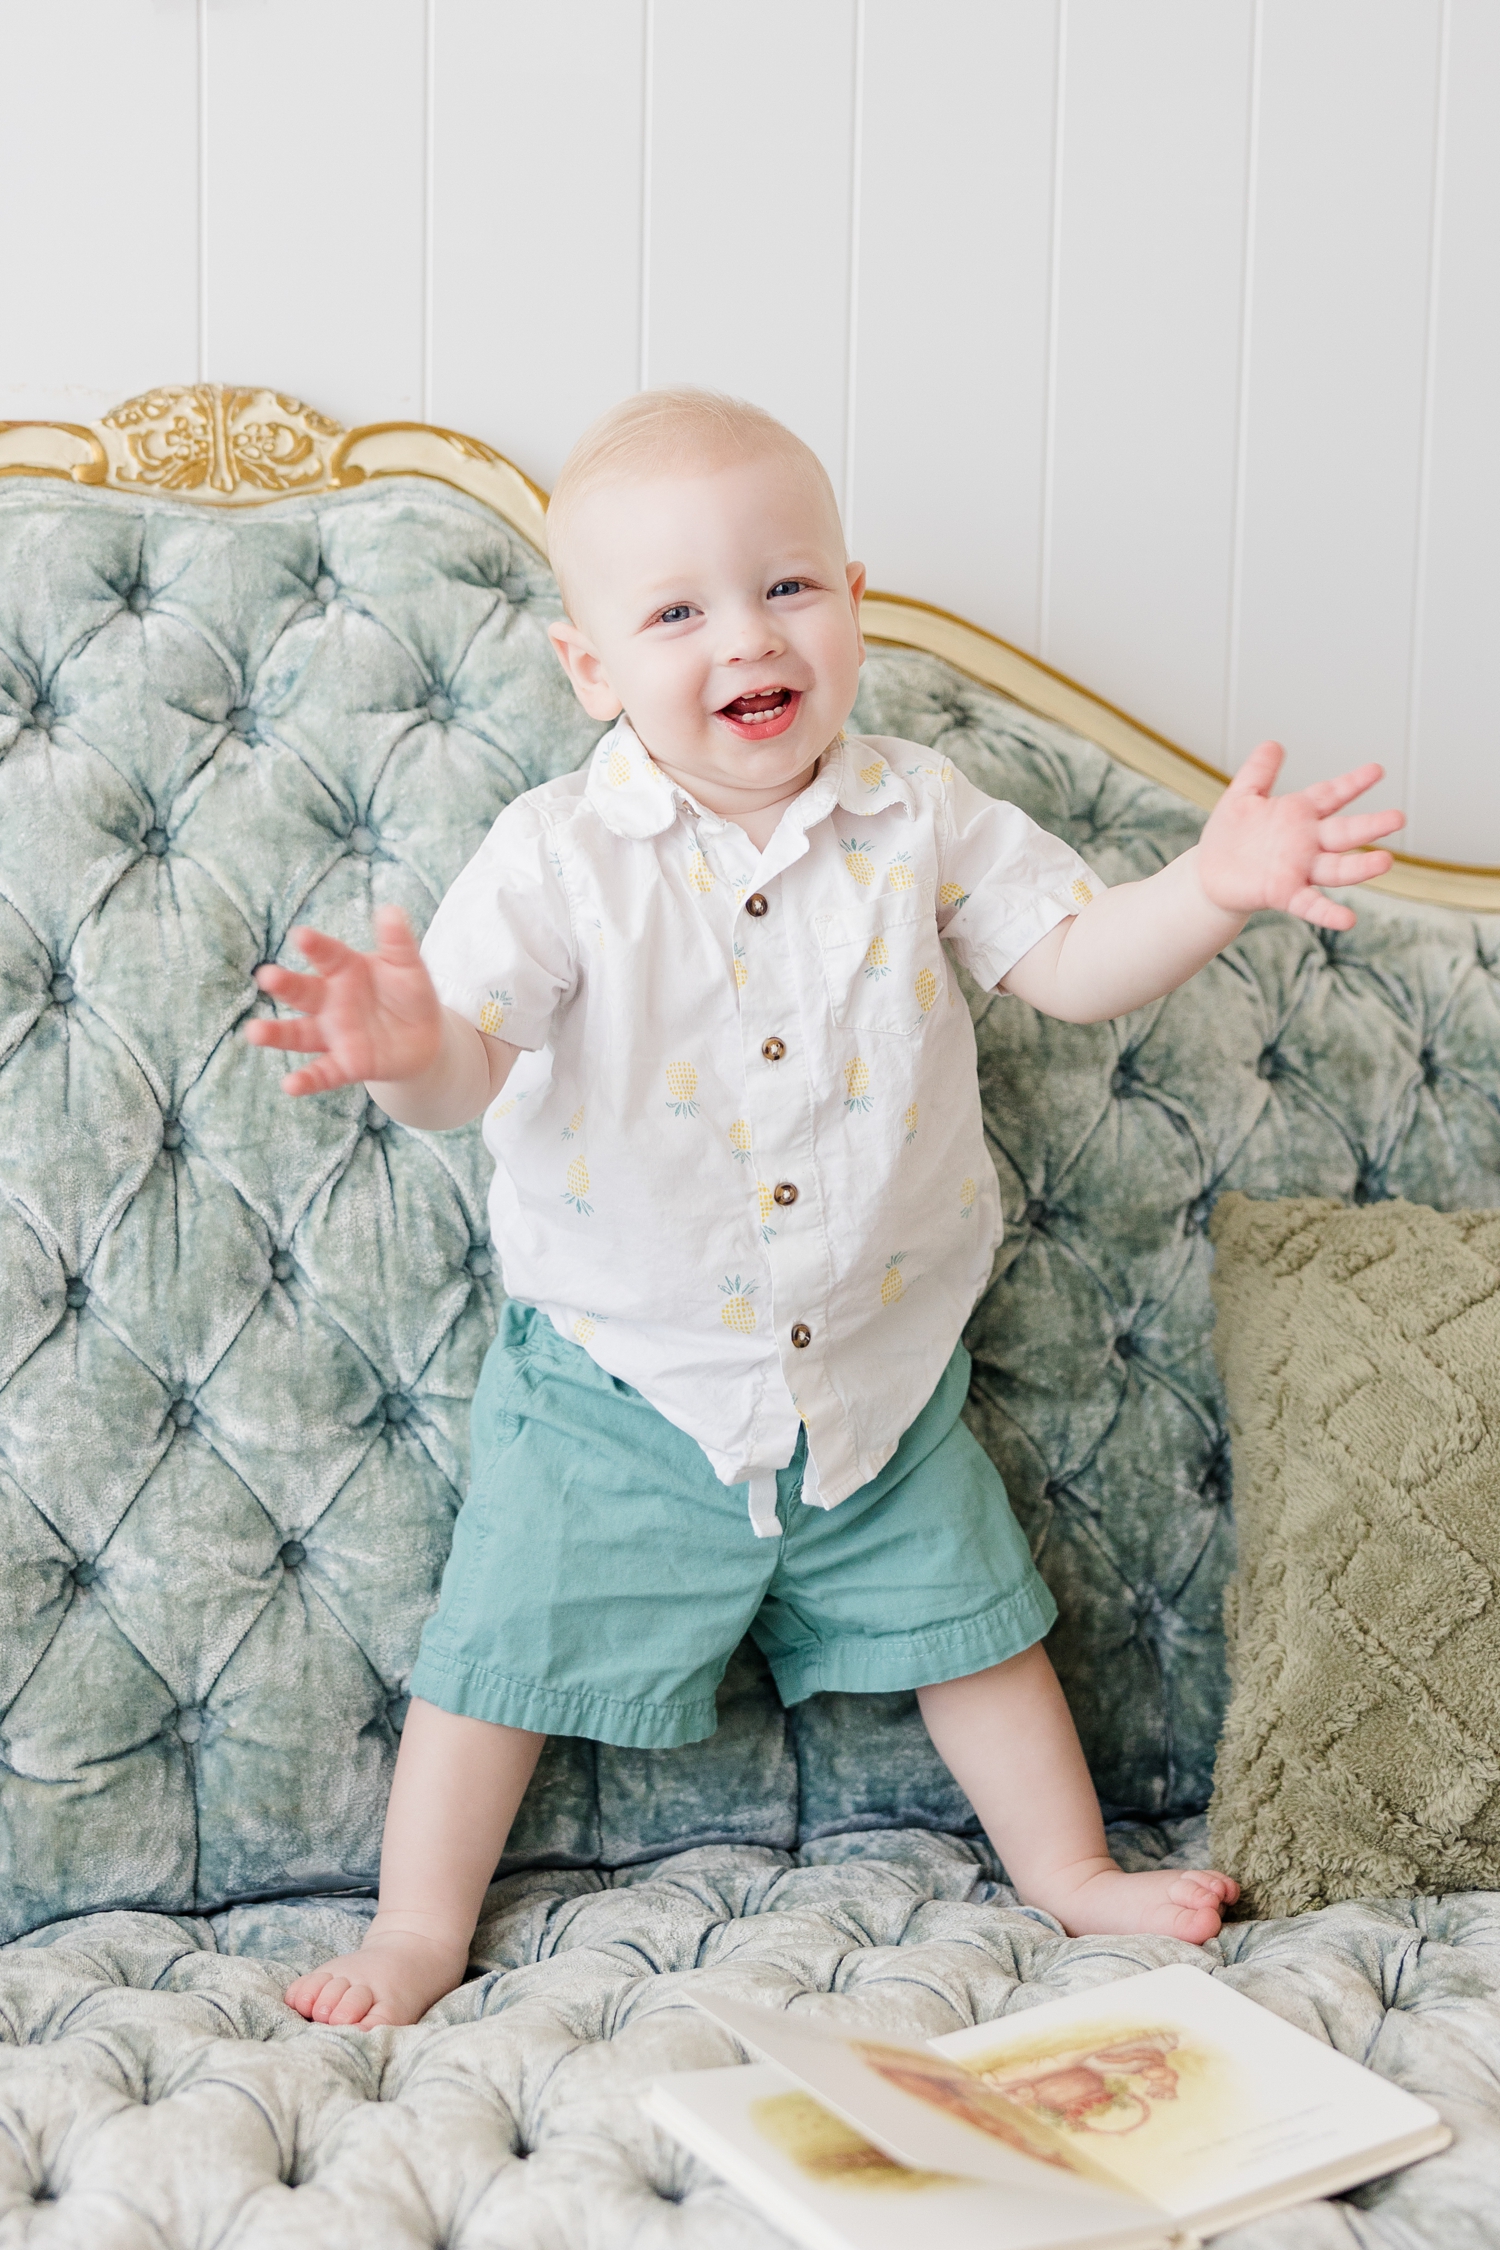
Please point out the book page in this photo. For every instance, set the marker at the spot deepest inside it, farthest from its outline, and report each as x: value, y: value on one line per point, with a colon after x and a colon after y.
x: 1183, y: 2091
x: 935, y: 2115
x: 830, y: 2187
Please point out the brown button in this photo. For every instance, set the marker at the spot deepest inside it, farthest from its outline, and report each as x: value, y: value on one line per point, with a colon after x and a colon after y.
x: 773, y: 1049
x: 757, y: 904
x: 783, y: 1193
x: 801, y: 1336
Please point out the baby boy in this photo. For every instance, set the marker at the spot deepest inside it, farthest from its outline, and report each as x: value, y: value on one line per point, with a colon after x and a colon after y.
x: 701, y: 991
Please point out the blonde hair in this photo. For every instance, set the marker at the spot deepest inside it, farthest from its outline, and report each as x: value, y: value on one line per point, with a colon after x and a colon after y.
x: 659, y: 431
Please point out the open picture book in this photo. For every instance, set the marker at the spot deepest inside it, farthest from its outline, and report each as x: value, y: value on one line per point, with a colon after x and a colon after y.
x: 1160, y: 2109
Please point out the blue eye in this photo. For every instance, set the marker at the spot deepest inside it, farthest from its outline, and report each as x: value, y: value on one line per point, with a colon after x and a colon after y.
x: 788, y: 585
x: 675, y: 615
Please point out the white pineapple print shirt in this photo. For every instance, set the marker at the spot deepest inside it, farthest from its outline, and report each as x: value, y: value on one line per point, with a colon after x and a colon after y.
x: 742, y: 1162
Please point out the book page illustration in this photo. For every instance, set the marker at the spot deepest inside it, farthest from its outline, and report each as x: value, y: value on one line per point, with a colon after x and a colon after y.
x: 827, y: 2150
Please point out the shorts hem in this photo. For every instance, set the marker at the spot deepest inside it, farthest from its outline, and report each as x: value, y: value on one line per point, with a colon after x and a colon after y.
x: 884, y: 1663
x: 477, y: 1691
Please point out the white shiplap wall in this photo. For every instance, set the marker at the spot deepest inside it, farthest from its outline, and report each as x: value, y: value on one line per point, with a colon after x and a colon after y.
x: 1161, y: 337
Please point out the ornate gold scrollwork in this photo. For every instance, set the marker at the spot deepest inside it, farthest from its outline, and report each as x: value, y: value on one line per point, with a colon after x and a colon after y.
x: 211, y: 435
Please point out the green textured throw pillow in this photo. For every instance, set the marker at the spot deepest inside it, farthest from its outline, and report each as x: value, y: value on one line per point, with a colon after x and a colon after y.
x: 1360, y: 1349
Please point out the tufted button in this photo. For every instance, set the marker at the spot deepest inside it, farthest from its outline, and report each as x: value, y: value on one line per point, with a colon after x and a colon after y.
x: 171, y: 1133
x: 155, y: 841
x: 1368, y: 1189
x: 801, y: 1336
x: 773, y: 1049
x: 61, y: 988
x: 181, y: 1411
x: 1195, y: 1217
x: 362, y: 839
x: 376, y: 1119
x: 1123, y: 1082
x: 77, y: 1292
x: 242, y: 721
x: 281, y: 1267
x: 439, y: 707
x: 1036, y: 1215
x: 757, y: 904
x: 41, y: 716
x: 784, y: 1193
x: 1125, y: 1346
x: 1269, y: 1064
x: 324, y: 589
x: 189, y: 1726
x: 396, y: 1406
x: 84, y: 1573
x: 138, y: 600
x: 1431, y: 1069
x: 293, y: 1554
x: 478, y: 1260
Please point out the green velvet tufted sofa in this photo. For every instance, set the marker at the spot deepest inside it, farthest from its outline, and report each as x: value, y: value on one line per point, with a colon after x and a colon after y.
x: 238, y: 1340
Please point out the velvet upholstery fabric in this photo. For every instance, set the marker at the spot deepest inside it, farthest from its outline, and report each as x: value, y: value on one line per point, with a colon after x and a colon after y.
x: 239, y: 1334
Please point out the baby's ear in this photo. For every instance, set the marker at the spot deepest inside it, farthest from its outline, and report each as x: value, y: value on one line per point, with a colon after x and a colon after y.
x: 585, y: 669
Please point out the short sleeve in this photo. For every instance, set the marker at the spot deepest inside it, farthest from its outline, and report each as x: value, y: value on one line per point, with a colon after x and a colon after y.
x: 1003, y: 881
x: 500, y: 947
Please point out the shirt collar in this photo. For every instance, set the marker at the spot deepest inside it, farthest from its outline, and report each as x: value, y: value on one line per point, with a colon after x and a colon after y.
x: 632, y: 796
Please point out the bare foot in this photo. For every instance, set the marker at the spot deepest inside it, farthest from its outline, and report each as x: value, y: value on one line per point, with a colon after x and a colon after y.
x: 394, y: 1978
x: 1098, y: 1899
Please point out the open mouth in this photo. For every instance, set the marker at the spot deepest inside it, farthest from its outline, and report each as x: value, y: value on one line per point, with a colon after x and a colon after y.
x: 769, y: 711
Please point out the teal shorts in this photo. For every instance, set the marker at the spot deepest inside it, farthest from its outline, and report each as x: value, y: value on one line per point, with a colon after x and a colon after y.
x: 601, y: 1576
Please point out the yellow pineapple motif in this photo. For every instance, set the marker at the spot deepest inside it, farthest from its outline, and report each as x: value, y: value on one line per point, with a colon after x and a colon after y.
x: 584, y: 1326
x: 966, y: 1195
x: 700, y: 874
x: 856, y: 1083
x: 504, y: 1109
x: 1081, y: 891
x: 877, y: 957
x: 858, y: 861
x: 739, y: 1140
x: 618, y: 768
x: 767, y: 1201
x: 737, y: 1312
x: 682, y: 1086
x: 926, y: 989
x: 574, y: 1125
x: 891, y: 1284
x: 577, y: 1189
x: 910, y: 1122
x: 741, y: 968
x: 899, y: 874
x: 952, y: 894
x: 492, y: 1013
x: 873, y: 775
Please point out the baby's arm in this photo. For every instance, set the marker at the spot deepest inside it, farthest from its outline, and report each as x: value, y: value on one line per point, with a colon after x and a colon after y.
x: 376, y: 1016
x: 1140, y: 940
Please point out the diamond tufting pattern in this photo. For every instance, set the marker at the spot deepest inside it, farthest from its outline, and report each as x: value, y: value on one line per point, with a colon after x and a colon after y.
x: 238, y: 1336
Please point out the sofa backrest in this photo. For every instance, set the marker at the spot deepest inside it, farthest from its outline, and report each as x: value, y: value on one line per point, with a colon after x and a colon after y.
x: 239, y: 1333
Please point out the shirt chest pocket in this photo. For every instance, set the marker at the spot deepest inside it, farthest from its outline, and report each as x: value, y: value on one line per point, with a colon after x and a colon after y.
x: 884, y: 962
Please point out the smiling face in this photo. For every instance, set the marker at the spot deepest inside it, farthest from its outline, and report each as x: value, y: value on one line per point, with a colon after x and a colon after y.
x: 713, y: 605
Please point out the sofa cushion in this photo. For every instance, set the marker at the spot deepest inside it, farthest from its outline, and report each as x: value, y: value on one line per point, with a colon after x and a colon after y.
x: 1361, y: 1355
x: 238, y: 1334
x: 155, y: 2093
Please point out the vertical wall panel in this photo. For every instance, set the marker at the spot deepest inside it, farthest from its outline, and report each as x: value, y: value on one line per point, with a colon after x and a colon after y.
x: 537, y: 219
x: 100, y: 205
x: 1454, y: 792
x: 1151, y: 231
x: 954, y: 276
x: 314, y: 201
x: 747, y: 289
x: 1338, y: 312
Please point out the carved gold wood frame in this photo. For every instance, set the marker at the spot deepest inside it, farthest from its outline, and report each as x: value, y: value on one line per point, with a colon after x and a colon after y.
x: 232, y: 447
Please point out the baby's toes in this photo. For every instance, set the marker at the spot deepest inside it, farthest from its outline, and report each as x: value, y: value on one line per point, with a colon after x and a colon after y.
x: 328, y: 1999
x: 303, y: 1994
x: 355, y: 2006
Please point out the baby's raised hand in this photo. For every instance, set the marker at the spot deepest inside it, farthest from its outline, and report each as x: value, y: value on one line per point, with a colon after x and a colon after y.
x: 1258, y: 850
x: 364, y: 1015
